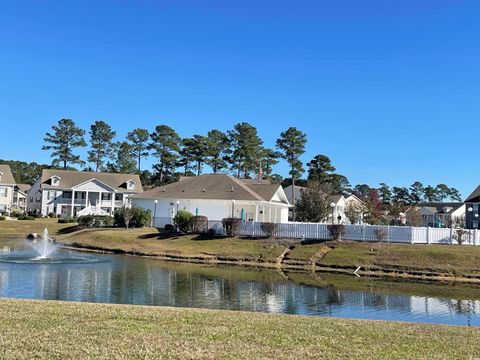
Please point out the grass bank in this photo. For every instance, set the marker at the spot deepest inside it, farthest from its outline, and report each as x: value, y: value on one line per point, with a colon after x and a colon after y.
x: 24, y: 227
x: 427, y: 262
x: 59, y: 330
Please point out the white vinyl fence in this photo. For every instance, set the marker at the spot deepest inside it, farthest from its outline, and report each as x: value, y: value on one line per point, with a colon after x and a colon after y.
x: 392, y: 234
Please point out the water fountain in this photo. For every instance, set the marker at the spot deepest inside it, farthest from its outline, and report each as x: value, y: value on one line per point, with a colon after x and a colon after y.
x: 45, y: 252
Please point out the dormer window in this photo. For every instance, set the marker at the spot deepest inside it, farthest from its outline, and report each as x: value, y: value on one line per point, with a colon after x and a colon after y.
x: 130, y: 185
x: 55, y: 180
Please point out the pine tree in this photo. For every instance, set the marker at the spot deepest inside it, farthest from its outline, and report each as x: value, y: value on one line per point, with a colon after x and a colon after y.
x: 165, y: 146
x: 218, y: 145
x: 66, y: 137
x: 101, y: 143
x: 139, y: 140
x: 124, y: 160
x: 246, y: 147
x: 292, y: 145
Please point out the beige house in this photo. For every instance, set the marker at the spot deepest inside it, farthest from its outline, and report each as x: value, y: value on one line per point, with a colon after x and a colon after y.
x: 69, y: 193
x: 7, y: 188
x: 216, y: 196
x: 20, y: 197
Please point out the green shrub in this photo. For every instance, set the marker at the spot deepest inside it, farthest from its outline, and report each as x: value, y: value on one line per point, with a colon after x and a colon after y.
x: 66, y: 220
x: 200, y: 224
x: 95, y: 221
x: 169, y: 228
x: 2, y: 218
x: 231, y: 226
x: 183, y: 221
x: 211, y: 233
x: 136, y: 217
x: 52, y: 215
x: 26, y: 217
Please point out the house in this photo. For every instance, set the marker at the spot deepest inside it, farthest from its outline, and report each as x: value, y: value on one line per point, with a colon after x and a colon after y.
x: 69, y: 193
x: 20, y: 197
x: 216, y: 196
x: 338, y: 202
x: 472, y: 205
x: 7, y: 187
x: 439, y: 214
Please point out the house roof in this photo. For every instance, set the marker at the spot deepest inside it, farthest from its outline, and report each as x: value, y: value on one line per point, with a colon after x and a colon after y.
x: 298, y: 193
x: 439, y: 207
x: 7, y: 176
x: 70, y: 179
x: 212, y: 186
x: 23, y: 187
x: 474, y: 196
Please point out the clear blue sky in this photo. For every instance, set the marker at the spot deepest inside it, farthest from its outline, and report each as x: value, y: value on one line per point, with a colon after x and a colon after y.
x: 389, y: 89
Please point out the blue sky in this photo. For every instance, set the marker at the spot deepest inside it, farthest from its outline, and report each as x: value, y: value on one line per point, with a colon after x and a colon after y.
x: 388, y: 89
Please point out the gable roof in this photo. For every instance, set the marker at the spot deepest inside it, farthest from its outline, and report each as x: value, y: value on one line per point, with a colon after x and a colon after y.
x: 298, y: 194
x: 212, y: 186
x: 439, y: 207
x: 23, y: 187
x: 7, y: 176
x: 474, y: 196
x: 70, y: 179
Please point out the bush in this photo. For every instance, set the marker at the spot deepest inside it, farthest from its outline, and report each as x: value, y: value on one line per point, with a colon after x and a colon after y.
x: 95, y: 221
x: 381, y: 234
x: 231, y: 226
x: 15, y: 214
x: 336, y: 231
x: 268, y: 228
x: 169, y: 228
x: 66, y: 220
x: 183, y: 221
x: 52, y: 215
x: 26, y: 217
x: 136, y: 217
x: 211, y: 233
x: 2, y: 218
x: 200, y: 224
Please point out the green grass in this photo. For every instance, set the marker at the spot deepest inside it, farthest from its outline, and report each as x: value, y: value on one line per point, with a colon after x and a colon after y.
x: 25, y: 227
x: 59, y: 330
x: 147, y: 241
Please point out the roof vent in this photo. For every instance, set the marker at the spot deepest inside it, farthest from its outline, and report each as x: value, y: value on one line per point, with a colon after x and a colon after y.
x: 163, y: 190
x: 183, y: 190
x: 204, y: 190
x: 231, y: 189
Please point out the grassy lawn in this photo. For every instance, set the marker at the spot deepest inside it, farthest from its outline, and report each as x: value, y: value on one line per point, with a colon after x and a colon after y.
x: 25, y: 227
x: 59, y: 330
x: 147, y: 241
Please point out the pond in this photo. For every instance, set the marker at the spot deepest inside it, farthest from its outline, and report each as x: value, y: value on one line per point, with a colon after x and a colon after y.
x: 144, y: 281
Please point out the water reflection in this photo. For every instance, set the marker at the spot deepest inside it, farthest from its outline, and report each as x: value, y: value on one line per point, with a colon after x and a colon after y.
x: 129, y: 280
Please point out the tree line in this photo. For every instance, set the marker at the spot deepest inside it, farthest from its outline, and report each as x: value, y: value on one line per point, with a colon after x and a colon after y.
x: 239, y: 151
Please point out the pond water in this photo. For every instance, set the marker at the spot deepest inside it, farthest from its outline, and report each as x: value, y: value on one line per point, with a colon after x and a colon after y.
x: 144, y: 281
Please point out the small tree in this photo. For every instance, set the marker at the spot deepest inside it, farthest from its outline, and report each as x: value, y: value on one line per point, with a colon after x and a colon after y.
x: 231, y: 226
x: 381, y: 234
x: 313, y: 205
x: 127, y: 215
x: 352, y: 212
x: 269, y: 228
x: 336, y: 231
x: 460, y: 236
x: 200, y: 224
x: 183, y: 221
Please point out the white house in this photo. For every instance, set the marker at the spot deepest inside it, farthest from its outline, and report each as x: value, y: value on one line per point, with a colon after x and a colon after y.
x: 69, y: 193
x: 338, y: 201
x: 7, y: 188
x: 440, y: 214
x: 216, y: 196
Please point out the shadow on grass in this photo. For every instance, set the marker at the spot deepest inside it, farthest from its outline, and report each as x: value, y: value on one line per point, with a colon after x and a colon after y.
x: 70, y: 229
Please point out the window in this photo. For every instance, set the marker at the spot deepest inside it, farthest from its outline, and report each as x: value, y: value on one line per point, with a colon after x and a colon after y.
x: 107, y: 196
x: 51, y: 194
x: 67, y: 194
x: 118, y: 197
x: 3, y: 191
x: 130, y: 185
x: 55, y: 181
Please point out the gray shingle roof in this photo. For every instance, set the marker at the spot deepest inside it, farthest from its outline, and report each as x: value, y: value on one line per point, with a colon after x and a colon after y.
x: 212, y: 186
x: 474, y: 195
x: 440, y: 207
x: 7, y: 176
x: 69, y: 179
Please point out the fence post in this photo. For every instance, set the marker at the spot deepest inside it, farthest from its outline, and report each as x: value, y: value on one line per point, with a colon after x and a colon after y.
x: 317, y: 231
x: 412, y: 235
x: 388, y: 233
x: 475, y: 234
x: 451, y: 235
x: 363, y: 232
x: 428, y: 235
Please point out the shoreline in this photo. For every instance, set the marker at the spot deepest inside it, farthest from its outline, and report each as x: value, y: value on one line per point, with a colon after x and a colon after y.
x: 218, y: 259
